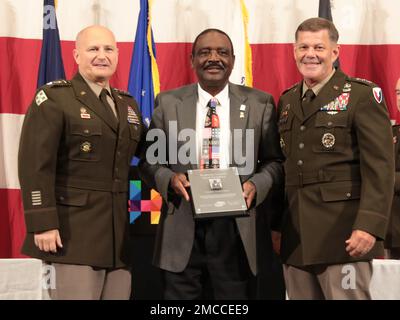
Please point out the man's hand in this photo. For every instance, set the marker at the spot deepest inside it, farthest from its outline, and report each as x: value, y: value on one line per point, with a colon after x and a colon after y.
x: 276, y: 241
x: 179, y: 183
x: 360, y: 243
x: 249, y: 192
x: 48, y: 241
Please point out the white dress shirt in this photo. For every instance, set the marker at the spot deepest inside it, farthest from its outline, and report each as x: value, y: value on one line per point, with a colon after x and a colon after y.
x: 224, y: 121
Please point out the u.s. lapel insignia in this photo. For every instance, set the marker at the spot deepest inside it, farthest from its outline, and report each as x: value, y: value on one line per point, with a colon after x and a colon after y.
x: 132, y: 116
x: 83, y: 93
x: 40, y: 98
x: 84, y: 113
x: 377, y: 94
x: 241, y: 115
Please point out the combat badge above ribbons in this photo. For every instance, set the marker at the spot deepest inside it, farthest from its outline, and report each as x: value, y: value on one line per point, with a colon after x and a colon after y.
x: 132, y: 116
x: 378, y: 95
x: 328, y: 140
x: 84, y: 113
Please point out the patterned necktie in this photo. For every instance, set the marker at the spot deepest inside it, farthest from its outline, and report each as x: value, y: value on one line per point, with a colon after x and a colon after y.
x: 211, y: 134
x: 103, y: 98
x: 307, y: 100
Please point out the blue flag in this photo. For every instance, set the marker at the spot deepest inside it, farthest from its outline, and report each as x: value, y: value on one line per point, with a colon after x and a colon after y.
x: 51, y: 65
x: 141, y: 82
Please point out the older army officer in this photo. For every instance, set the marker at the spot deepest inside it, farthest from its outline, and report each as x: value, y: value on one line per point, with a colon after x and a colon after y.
x: 77, y: 141
x: 336, y: 135
x: 392, y: 241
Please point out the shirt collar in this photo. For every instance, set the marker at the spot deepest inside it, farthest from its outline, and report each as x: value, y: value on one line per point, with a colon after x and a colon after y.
x: 317, y: 88
x: 97, y: 88
x: 204, y: 96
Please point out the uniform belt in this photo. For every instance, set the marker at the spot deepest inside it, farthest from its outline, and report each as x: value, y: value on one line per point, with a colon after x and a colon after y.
x: 109, y: 186
x: 303, y: 178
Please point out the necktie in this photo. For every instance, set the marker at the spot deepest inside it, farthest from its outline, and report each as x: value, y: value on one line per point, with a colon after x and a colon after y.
x: 107, y: 107
x: 307, y: 100
x: 211, y: 138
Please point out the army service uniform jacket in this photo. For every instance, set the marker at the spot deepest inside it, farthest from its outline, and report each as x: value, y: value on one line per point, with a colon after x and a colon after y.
x: 339, y: 170
x: 393, y: 235
x: 73, y: 169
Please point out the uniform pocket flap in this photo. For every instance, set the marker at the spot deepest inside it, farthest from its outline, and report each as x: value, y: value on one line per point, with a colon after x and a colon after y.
x: 87, y: 129
x: 70, y: 197
x: 324, y: 119
x: 340, y: 192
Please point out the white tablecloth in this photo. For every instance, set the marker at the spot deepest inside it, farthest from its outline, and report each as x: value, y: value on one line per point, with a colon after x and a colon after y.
x: 385, y: 282
x: 24, y: 279
x: 21, y: 279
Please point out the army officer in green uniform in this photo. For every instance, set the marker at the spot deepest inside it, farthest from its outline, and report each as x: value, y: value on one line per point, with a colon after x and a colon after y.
x: 392, y: 241
x: 76, y: 145
x: 336, y: 135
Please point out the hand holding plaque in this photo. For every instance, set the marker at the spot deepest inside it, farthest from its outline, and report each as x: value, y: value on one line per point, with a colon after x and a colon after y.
x: 217, y: 193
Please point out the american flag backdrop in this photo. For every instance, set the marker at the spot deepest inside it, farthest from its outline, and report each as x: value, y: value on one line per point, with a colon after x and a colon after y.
x: 369, y: 37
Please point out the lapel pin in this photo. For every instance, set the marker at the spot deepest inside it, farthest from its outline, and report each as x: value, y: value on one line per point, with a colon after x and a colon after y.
x: 335, y: 87
x: 83, y: 93
x: 242, y: 107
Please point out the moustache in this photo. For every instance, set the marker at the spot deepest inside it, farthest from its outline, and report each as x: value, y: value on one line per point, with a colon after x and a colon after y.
x: 214, y: 65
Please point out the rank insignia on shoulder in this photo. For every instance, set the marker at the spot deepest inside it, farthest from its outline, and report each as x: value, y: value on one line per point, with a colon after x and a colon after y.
x: 378, y: 95
x: 124, y: 93
x: 40, y: 97
x: 132, y: 116
x: 59, y: 83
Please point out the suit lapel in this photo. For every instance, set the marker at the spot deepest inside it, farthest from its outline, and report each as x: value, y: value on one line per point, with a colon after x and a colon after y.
x: 186, y: 111
x: 86, y: 96
x: 239, y: 115
x: 328, y: 93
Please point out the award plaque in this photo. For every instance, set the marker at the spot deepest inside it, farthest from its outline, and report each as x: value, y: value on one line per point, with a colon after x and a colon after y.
x: 217, y: 193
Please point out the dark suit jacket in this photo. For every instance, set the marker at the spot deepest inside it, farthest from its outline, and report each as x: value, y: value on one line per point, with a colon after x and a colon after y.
x: 339, y: 170
x: 175, y: 232
x: 393, y: 235
x: 73, y: 169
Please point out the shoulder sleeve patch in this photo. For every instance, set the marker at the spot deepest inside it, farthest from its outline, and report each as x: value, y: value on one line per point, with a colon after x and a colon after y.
x: 378, y: 95
x: 40, y: 97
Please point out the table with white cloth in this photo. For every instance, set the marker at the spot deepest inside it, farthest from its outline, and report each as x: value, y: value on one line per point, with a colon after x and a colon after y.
x: 26, y: 279
x: 22, y: 279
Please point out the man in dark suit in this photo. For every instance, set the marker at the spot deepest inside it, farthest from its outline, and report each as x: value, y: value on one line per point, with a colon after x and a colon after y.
x: 222, y: 250
x: 336, y: 136
x: 76, y: 145
x: 392, y: 241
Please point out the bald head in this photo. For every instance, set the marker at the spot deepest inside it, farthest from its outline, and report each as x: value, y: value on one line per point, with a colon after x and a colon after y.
x: 92, y: 32
x: 96, y: 54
